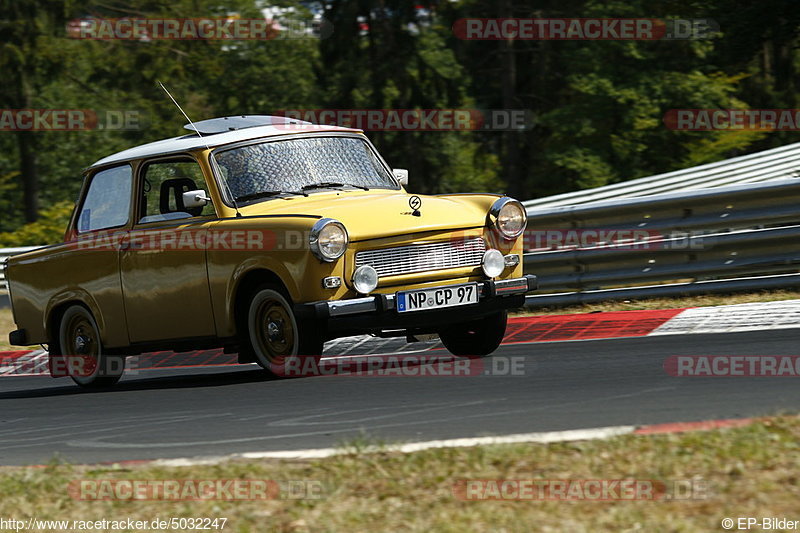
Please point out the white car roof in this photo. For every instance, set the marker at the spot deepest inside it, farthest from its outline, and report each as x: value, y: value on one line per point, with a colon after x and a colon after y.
x: 191, y: 142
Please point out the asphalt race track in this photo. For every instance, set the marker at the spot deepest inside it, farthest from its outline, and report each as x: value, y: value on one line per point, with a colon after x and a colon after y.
x: 187, y: 412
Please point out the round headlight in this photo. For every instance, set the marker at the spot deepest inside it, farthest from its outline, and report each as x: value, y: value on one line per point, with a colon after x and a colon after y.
x: 493, y: 263
x: 328, y: 239
x: 365, y: 279
x: 509, y: 217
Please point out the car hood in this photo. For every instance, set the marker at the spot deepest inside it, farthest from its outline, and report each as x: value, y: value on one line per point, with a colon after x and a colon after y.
x: 375, y: 214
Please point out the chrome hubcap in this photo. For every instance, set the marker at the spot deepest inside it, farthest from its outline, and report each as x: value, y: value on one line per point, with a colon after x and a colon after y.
x: 82, y: 345
x: 275, y: 330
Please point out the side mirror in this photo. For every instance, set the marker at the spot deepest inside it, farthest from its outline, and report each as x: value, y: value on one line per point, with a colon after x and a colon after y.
x: 401, y: 175
x: 195, y: 199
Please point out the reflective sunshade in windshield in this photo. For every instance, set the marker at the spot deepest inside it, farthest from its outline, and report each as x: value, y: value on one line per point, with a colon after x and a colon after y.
x: 291, y: 165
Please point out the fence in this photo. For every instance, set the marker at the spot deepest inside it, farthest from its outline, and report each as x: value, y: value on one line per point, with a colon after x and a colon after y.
x: 742, y: 237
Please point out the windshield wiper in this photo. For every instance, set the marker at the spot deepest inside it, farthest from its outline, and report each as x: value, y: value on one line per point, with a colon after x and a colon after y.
x: 267, y: 194
x: 329, y: 184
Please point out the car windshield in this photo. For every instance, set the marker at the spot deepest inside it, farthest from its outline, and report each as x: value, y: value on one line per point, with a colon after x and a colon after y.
x: 264, y: 170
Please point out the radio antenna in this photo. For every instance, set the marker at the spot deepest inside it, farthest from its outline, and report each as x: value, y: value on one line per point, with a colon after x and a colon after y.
x: 211, y: 159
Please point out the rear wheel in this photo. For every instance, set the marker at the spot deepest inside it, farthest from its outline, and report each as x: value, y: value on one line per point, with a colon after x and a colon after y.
x: 477, y: 337
x: 281, y: 344
x: 81, y: 351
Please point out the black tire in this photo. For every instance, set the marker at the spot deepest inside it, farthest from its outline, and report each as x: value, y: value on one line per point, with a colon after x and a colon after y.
x: 279, y: 342
x: 81, y: 351
x: 476, y: 338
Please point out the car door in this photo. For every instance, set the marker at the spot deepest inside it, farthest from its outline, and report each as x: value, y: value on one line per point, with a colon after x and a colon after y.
x: 163, y: 260
x: 92, y: 265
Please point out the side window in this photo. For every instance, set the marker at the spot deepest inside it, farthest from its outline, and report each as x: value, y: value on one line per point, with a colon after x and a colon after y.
x: 162, y: 191
x: 108, y: 200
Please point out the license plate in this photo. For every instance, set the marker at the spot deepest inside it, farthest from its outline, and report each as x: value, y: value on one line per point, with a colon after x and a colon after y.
x: 438, y: 298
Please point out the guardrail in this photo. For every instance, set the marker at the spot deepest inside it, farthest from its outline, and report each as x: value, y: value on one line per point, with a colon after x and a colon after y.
x: 6, y: 253
x: 759, y: 167
x: 742, y: 237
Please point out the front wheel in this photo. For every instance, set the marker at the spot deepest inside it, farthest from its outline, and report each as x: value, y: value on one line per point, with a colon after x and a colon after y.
x: 281, y: 345
x: 81, y: 351
x: 477, y: 337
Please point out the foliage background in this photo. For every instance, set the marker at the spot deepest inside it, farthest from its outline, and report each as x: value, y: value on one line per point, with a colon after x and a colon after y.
x: 598, y: 105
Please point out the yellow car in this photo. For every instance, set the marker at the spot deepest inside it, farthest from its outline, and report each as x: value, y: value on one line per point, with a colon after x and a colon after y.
x: 265, y: 236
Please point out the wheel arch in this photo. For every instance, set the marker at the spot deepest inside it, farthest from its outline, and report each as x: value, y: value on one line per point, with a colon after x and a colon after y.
x: 245, y: 289
x: 56, y: 310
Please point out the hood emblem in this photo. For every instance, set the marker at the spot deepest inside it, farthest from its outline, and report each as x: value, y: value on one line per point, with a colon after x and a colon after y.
x: 415, y: 202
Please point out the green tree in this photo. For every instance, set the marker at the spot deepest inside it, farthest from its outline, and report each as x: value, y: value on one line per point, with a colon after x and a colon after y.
x: 390, y: 55
x: 27, y: 57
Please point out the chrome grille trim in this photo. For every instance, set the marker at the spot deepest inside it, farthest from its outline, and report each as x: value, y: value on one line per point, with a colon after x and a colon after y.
x: 424, y: 257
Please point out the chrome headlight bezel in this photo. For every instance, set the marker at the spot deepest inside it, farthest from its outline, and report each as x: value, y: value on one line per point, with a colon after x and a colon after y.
x: 496, y: 214
x: 318, y: 248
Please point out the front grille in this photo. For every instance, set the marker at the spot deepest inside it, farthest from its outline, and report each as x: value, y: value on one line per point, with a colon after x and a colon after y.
x: 424, y: 257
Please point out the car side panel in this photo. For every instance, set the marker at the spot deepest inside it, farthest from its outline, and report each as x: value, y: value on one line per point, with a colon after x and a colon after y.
x: 44, y: 279
x: 283, y: 251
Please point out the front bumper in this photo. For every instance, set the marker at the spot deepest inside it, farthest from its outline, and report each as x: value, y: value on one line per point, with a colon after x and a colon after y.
x: 377, y: 313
